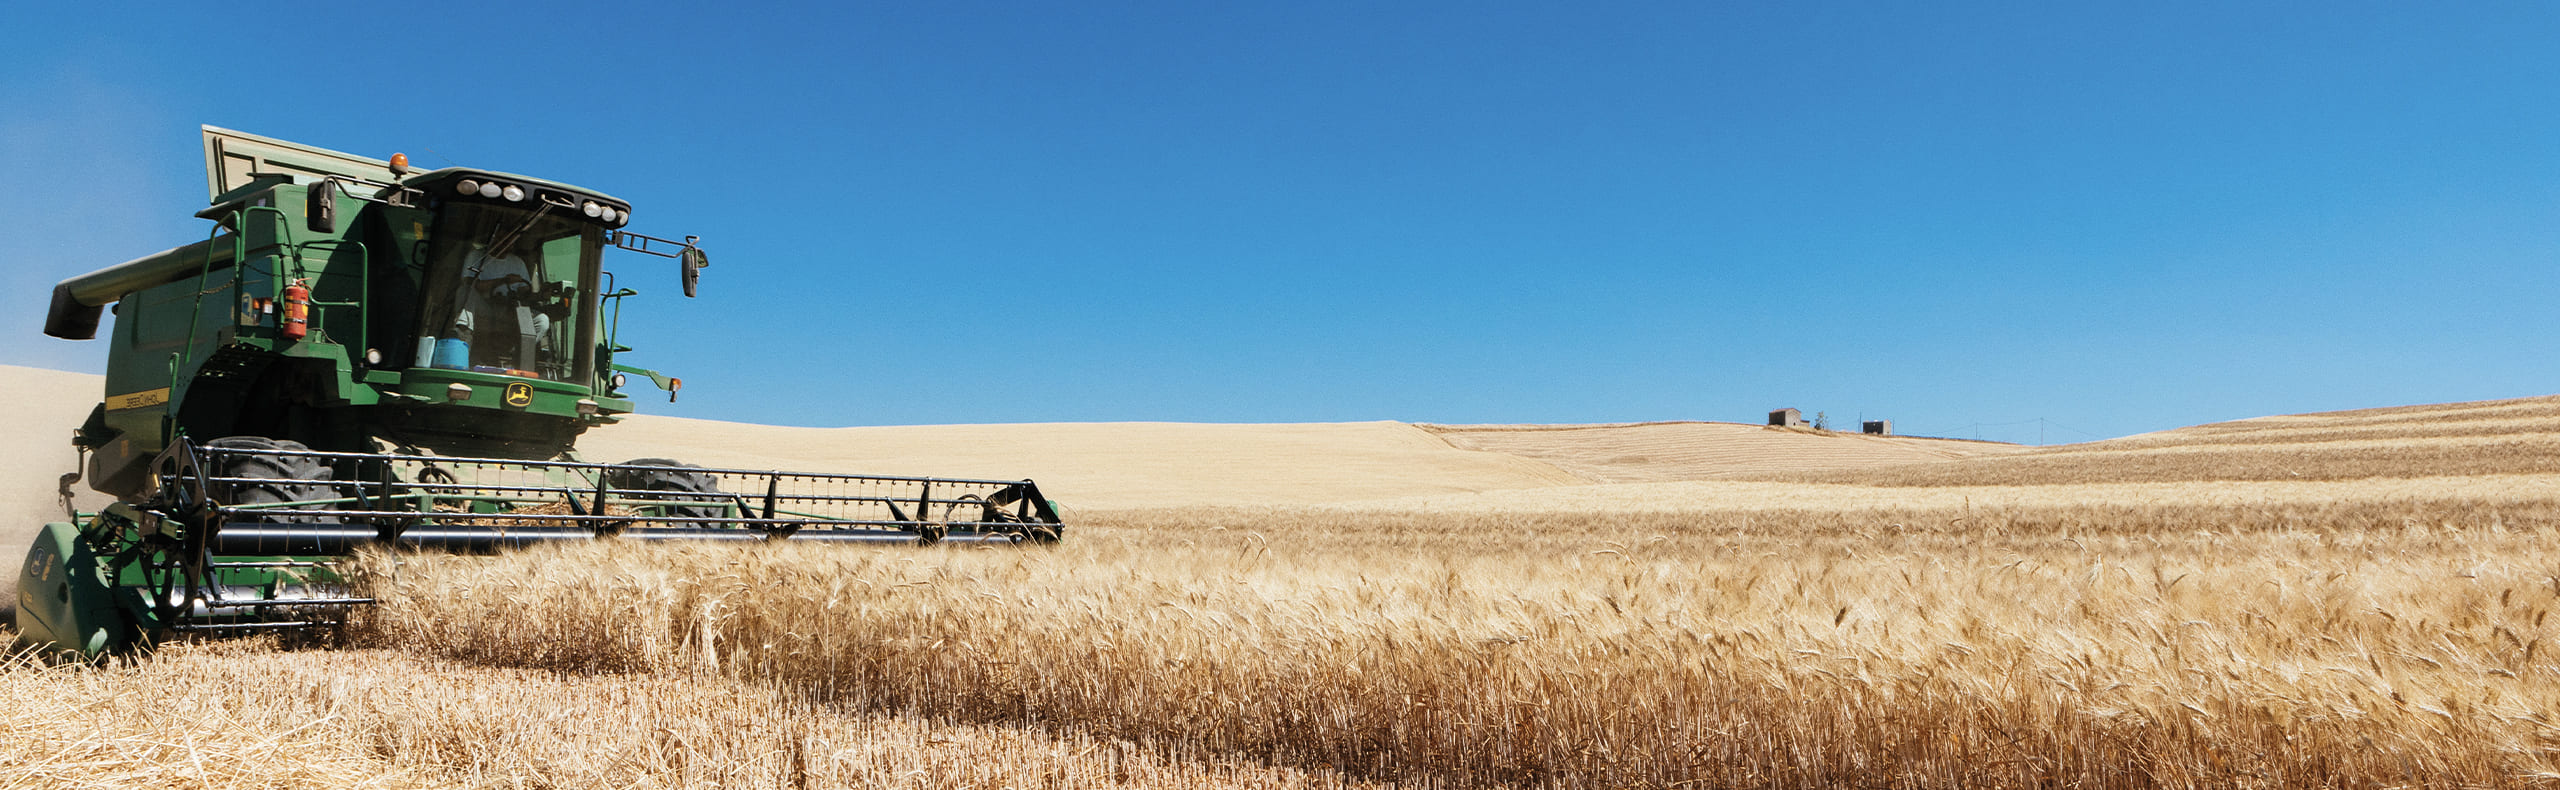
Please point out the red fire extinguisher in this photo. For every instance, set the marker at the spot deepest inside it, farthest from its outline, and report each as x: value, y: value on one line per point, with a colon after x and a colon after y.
x: 297, y: 310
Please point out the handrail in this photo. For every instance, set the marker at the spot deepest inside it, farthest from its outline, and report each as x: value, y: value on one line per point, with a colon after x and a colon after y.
x: 364, y: 287
x: 184, y: 357
x: 169, y: 406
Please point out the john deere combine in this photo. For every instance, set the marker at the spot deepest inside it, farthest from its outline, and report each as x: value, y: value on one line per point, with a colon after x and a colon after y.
x: 359, y: 355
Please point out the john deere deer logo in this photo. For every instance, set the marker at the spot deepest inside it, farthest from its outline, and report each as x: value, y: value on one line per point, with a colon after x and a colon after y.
x: 519, y: 394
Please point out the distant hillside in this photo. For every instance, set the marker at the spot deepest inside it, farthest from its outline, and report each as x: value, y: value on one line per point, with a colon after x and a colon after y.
x: 2518, y: 436
x: 1102, y: 466
x: 2291, y: 469
x: 1122, y: 465
x: 1663, y: 451
x: 44, y: 406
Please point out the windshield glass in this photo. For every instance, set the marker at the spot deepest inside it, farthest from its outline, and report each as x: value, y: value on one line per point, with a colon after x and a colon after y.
x: 503, y: 290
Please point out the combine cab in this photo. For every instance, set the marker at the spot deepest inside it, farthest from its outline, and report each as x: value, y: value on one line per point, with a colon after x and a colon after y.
x: 362, y: 355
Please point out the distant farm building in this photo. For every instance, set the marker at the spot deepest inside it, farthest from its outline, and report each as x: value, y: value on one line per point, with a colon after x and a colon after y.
x: 1786, y: 418
x: 1879, y: 427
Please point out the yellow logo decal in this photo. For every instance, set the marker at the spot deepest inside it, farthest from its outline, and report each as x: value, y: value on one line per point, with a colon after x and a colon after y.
x: 519, y: 394
x: 138, y: 400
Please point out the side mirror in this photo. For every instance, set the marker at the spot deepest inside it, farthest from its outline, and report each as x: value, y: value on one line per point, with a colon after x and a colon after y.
x: 322, y: 207
x: 692, y: 260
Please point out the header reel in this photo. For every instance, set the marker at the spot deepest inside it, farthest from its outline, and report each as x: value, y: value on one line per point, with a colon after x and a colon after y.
x: 247, y: 533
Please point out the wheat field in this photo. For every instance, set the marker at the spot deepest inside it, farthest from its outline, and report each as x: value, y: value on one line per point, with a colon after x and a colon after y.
x: 2354, y: 599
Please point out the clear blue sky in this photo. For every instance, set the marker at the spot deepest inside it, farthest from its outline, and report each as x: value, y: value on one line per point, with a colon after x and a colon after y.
x: 2112, y: 218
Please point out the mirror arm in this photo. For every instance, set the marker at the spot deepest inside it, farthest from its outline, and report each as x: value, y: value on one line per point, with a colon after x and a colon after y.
x: 648, y: 244
x: 689, y: 254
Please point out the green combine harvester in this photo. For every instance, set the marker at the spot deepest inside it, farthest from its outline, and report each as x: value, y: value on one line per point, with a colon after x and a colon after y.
x: 361, y: 355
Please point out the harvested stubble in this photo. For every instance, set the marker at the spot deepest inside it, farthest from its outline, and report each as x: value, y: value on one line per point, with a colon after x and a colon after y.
x: 1922, y: 649
x: 242, y: 715
x: 124, y: 727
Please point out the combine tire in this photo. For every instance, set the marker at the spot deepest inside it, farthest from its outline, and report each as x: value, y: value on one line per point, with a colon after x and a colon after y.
x: 297, y: 478
x: 671, y: 477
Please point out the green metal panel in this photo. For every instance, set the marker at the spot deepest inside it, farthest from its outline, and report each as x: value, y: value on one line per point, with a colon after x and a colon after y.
x: 554, y: 398
x: 67, y: 597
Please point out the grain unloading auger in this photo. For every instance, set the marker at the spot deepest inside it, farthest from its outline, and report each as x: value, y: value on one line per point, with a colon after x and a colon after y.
x: 364, y: 356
